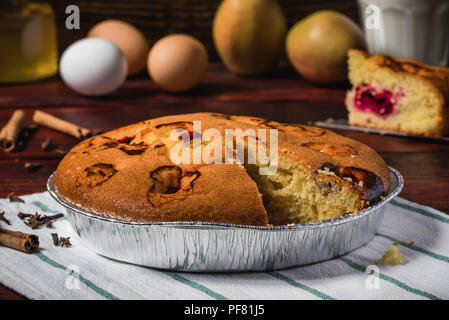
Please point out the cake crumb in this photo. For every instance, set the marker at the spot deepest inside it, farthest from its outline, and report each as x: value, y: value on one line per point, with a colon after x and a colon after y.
x: 392, y: 256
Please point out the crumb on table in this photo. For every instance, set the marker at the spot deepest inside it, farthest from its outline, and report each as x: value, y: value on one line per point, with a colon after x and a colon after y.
x: 392, y: 256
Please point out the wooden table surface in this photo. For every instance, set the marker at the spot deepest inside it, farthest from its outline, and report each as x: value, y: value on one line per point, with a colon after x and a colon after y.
x: 282, y: 96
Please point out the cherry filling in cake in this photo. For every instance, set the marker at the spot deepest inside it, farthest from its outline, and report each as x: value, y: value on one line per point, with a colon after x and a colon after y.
x: 368, y: 98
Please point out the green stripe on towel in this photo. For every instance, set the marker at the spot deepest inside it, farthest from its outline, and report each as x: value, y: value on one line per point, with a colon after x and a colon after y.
x: 392, y: 280
x: 194, y: 285
x: 413, y: 247
x: 420, y: 211
x: 87, y: 282
x: 296, y: 284
x: 44, y: 208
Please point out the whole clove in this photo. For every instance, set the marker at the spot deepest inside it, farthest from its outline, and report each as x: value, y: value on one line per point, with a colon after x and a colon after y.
x: 33, y: 166
x: 60, y: 151
x: 4, y: 219
x: 55, y: 239
x: 47, y: 145
x: 25, y: 136
x: 65, y: 242
x: 36, y: 221
x: 54, y: 217
x: 22, y: 215
x: 13, y: 198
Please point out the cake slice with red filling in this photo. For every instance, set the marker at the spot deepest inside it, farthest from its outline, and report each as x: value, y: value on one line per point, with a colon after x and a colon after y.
x: 398, y: 94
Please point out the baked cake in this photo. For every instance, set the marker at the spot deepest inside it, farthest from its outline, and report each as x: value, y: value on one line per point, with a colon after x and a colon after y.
x: 127, y: 174
x: 398, y: 94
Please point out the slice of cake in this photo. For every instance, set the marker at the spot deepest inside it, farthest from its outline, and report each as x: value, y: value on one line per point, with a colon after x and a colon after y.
x: 398, y: 94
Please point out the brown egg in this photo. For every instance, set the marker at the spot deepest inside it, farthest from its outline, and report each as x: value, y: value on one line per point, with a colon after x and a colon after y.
x: 177, y: 62
x: 128, y: 38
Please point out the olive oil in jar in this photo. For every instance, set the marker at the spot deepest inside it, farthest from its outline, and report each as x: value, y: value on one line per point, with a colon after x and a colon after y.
x: 28, y: 44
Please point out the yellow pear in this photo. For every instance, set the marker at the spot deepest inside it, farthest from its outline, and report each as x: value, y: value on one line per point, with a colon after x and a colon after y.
x: 317, y: 46
x: 249, y: 35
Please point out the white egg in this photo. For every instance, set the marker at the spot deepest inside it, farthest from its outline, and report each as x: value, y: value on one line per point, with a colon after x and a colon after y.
x: 93, y: 67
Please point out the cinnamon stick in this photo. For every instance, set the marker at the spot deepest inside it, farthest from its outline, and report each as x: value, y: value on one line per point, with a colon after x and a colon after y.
x: 10, y: 132
x: 18, y: 240
x: 52, y: 122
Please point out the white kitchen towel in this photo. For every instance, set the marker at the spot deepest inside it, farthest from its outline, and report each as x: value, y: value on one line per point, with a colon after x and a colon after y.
x: 421, y: 234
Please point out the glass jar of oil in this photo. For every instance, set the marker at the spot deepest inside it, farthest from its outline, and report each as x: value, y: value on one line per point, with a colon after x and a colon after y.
x: 28, y: 44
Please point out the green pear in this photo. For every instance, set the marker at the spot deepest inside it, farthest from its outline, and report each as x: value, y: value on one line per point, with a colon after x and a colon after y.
x: 249, y: 35
x: 317, y: 46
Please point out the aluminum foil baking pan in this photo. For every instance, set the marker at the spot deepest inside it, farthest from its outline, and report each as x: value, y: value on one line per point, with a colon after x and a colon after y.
x: 201, y: 246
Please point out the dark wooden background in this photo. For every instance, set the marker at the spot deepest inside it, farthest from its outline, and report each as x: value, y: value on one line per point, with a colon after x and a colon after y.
x: 156, y: 18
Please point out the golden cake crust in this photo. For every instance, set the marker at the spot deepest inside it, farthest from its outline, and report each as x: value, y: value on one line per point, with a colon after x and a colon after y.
x: 435, y: 79
x: 438, y: 76
x: 126, y: 173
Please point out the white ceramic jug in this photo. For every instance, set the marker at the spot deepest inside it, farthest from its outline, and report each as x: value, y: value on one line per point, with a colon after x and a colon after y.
x: 414, y: 29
